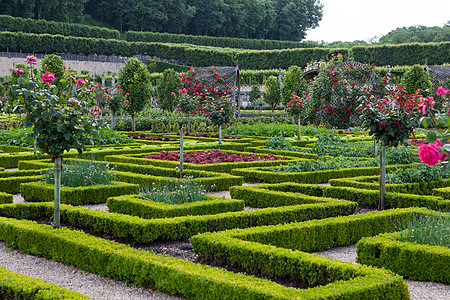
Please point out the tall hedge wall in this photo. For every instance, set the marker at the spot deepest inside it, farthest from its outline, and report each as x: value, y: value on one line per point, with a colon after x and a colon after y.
x: 224, y: 42
x: 403, y: 54
x: 8, y: 23
x: 436, y: 53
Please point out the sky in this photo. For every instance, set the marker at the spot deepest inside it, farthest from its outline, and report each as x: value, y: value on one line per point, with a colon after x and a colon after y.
x: 350, y: 20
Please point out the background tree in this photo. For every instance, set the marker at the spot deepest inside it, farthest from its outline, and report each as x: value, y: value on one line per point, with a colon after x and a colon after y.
x: 272, y: 92
x: 416, y: 78
x: 134, y: 79
x: 167, y: 89
x: 293, y: 82
x: 417, y: 34
x: 254, y: 94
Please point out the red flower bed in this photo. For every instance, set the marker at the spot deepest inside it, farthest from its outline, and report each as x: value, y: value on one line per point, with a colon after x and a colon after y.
x: 216, y: 136
x: 151, y: 138
x: 418, y: 142
x: 212, y: 157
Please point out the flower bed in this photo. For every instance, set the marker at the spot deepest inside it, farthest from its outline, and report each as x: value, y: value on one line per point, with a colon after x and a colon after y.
x: 212, y: 157
x: 216, y: 136
x: 142, y: 136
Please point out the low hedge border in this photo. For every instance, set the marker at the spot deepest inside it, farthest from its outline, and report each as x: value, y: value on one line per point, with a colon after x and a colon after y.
x: 136, y: 206
x: 263, y: 196
x: 410, y: 260
x: 442, y: 192
x: 365, y: 182
x: 6, y: 198
x: 12, y: 185
x: 82, y: 195
x: 279, y: 252
x: 366, y: 198
x: 219, y: 167
x: 138, y: 230
x: 146, y: 269
x: 266, y: 175
x: 17, y: 286
x: 261, y: 149
x: 148, y: 174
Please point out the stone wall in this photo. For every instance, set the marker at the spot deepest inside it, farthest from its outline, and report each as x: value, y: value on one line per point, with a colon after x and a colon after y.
x: 94, y: 67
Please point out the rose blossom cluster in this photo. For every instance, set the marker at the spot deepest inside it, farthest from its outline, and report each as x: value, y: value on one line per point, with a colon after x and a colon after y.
x: 429, y: 153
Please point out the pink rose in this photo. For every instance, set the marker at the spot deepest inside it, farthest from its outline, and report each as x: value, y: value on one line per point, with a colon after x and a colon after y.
x: 127, y: 94
x: 108, y: 91
x: 126, y: 101
x: 95, y: 110
x: 173, y: 94
x: 19, y: 71
x: 80, y: 81
x: 109, y: 98
x: 31, y: 60
x: 93, y: 88
x: 118, y: 86
x: 120, y: 90
x: 64, y: 67
x: 437, y: 144
x: 97, y: 86
x: 429, y: 154
x: 441, y: 91
x: 48, y: 77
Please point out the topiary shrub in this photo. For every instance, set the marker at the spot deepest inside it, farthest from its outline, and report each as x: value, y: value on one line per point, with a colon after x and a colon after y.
x: 416, y: 78
x: 272, y: 94
x: 293, y: 82
x: 167, y: 88
x: 54, y: 64
x: 134, y: 80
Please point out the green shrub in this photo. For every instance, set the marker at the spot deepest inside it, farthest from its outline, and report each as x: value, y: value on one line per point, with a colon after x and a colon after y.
x: 293, y: 82
x: 279, y: 143
x: 416, y: 78
x: 168, y: 84
x: 254, y: 94
x: 272, y: 94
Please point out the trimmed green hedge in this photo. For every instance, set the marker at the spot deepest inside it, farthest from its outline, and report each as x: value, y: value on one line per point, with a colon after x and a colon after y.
x: 147, y: 174
x: 402, y: 54
x: 279, y: 252
x: 366, y: 182
x: 82, y: 195
x: 136, y: 206
x: 11, y: 185
x: 410, y: 260
x: 263, y: 195
x: 138, y: 230
x: 6, y: 198
x: 266, y: 175
x: 14, y: 24
x: 219, y: 167
x: 17, y: 286
x: 442, y: 192
x: 144, y: 268
x: 224, y: 42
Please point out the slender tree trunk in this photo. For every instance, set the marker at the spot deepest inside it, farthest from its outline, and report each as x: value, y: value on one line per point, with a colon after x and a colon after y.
x: 189, y: 124
x: 220, y: 134
x: 181, y: 152
x: 375, y: 148
x: 112, y: 120
x: 299, y: 137
x: 57, y: 211
x: 382, y: 176
x: 133, y: 124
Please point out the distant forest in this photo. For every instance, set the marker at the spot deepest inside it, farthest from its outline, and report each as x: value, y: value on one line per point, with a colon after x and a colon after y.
x: 259, y: 19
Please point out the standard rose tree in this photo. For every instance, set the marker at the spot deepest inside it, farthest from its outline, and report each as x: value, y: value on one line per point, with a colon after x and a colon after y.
x: 60, y: 121
x: 391, y: 120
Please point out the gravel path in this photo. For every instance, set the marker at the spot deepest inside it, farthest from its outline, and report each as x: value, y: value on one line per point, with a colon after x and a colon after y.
x: 98, y: 287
